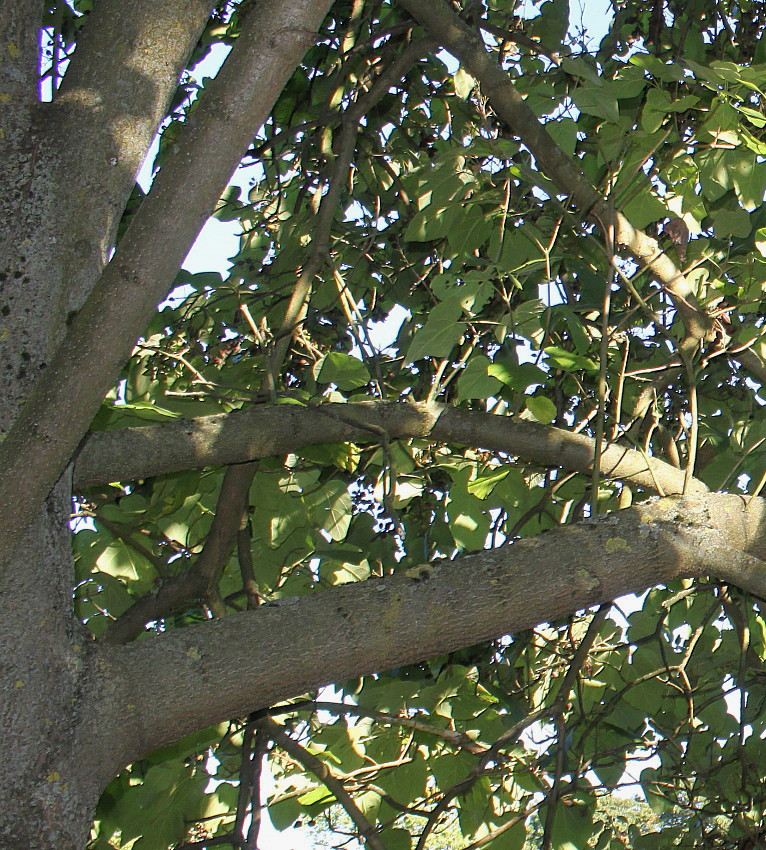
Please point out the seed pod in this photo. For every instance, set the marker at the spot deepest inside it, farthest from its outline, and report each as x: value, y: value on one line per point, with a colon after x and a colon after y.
x: 678, y: 233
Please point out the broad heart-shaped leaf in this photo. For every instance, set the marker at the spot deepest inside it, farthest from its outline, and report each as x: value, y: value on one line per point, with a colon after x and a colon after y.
x: 468, y: 518
x: 158, y: 809
x: 468, y: 229
x: 592, y: 100
x: 748, y: 176
x: 440, y: 333
x: 568, y: 360
x: 121, y: 561
x: 428, y: 224
x: 731, y: 222
x: 518, y: 376
x: 397, y: 839
x: 285, y: 812
x: 343, y: 370
x: 668, y: 72
x: 472, y: 290
x: 333, y: 509
x: 573, y: 823
x: 485, y: 483
x: 644, y: 208
x: 542, y: 408
x: 659, y: 104
x: 551, y: 25
x: 511, y: 838
x: 579, y: 66
x: 476, y: 381
x: 229, y: 208
x: 564, y: 133
x: 654, y: 796
x: 475, y: 807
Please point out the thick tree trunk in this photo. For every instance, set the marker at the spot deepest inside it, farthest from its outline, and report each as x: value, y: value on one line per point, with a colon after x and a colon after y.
x: 66, y: 169
x: 46, y: 799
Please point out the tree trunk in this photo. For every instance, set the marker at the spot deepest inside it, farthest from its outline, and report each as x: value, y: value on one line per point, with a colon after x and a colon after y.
x: 54, y: 766
x: 66, y: 171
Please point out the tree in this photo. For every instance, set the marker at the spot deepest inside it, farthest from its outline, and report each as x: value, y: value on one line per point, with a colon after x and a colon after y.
x: 268, y: 503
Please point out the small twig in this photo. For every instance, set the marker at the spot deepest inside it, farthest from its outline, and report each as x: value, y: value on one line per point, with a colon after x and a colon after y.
x: 179, y: 359
x: 323, y: 773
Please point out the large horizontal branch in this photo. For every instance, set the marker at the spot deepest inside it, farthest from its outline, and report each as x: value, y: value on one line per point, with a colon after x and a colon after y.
x: 466, y: 45
x: 64, y: 400
x: 254, y: 659
x: 115, y: 94
x: 134, y: 453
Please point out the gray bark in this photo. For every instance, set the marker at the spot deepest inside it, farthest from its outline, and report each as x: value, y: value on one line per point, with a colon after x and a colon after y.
x: 66, y: 169
x: 253, y: 659
x: 245, y: 435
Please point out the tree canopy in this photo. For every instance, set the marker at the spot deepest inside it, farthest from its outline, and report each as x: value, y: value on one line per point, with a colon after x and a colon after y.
x: 354, y: 515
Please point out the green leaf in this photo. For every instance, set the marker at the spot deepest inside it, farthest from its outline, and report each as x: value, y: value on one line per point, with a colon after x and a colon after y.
x: 468, y: 229
x: 644, y: 208
x: 748, y: 176
x: 468, y: 520
x: 518, y: 376
x: 551, y: 24
x: 319, y: 795
x: 580, y: 66
x: 592, y: 100
x: 472, y: 291
x: 343, y: 370
x: 564, y: 132
x: 284, y: 813
x: 229, y: 206
x: 122, y: 561
x: 441, y: 332
x: 397, y: 839
x: 333, y: 509
x: 513, y: 838
x: 573, y: 823
x: 475, y: 380
x: 542, y: 408
x: 485, y: 483
x: 731, y: 222
x: 667, y: 72
x: 464, y: 83
x: 427, y: 225
x: 568, y: 361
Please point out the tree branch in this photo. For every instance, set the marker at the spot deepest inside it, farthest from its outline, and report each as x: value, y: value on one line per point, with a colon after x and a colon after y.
x: 343, y: 152
x: 116, y: 91
x: 451, y: 736
x: 252, y: 660
x: 245, y: 435
x: 323, y: 773
x: 198, y: 580
x: 100, y: 338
